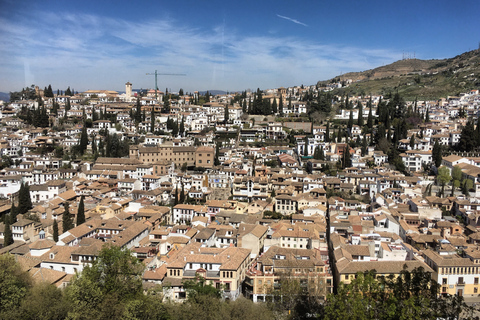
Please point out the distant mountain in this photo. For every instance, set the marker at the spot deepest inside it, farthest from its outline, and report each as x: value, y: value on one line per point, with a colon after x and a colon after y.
x: 213, y: 92
x: 424, y: 79
x: 4, y: 96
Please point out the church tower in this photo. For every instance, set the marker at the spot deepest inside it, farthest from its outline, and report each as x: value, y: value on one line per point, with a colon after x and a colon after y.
x: 128, y: 92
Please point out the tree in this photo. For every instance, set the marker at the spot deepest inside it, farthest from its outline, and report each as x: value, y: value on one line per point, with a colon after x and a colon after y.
x: 226, y: 115
x: 327, y: 133
x: 67, y: 220
x: 14, y: 284
x: 467, y: 138
x: 199, y: 287
x: 437, y: 154
x: 44, y: 302
x: 443, y: 178
x: 13, y: 213
x: 81, y: 212
x: 456, y: 178
x: 7, y: 236
x: 55, y: 230
x: 138, y: 111
x: 347, y: 161
x: 182, y: 194
x: 152, y: 120
x: 412, y: 142
x: 360, y: 113
x: 175, y: 200
x: 350, y: 121
x: 104, y: 287
x: 370, y: 116
x: 82, y: 146
x: 166, y: 103
x: 24, y: 200
x: 216, y: 161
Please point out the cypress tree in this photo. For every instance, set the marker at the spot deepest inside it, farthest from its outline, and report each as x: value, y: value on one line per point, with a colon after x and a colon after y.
x: 360, y: 113
x: 182, y: 127
x: 175, y: 201
x: 55, y: 230
x: 327, y: 133
x: 67, y: 218
x: 437, y: 154
x: 7, y: 235
x: 82, y: 147
x: 182, y: 194
x: 216, y: 161
x: 226, y: 115
x: 350, y: 121
x: 13, y: 214
x: 412, y: 142
x: 81, y: 212
x: 24, y: 200
x: 370, y: 119
x: 138, y: 111
x: 280, y: 105
x: 152, y: 121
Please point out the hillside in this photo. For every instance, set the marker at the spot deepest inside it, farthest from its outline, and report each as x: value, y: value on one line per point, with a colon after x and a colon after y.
x: 424, y: 79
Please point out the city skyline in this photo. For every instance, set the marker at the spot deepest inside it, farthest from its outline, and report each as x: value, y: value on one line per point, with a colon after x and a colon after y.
x: 220, y: 45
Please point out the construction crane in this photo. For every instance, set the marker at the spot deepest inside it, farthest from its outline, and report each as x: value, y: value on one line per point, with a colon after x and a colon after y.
x: 162, y: 74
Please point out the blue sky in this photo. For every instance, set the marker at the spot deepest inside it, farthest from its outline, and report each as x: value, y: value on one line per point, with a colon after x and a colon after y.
x: 224, y: 45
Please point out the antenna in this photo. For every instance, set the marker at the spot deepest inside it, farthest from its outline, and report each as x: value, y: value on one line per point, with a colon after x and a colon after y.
x: 162, y: 74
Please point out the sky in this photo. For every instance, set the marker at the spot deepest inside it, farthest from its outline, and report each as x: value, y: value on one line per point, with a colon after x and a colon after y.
x: 221, y: 45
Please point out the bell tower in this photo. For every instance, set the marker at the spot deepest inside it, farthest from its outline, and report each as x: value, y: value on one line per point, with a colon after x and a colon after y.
x: 128, y: 92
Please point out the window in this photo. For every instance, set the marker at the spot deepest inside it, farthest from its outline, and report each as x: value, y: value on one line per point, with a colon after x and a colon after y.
x: 444, y: 281
x: 475, y: 280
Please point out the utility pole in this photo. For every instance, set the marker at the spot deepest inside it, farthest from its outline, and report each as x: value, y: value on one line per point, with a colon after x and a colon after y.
x: 162, y: 74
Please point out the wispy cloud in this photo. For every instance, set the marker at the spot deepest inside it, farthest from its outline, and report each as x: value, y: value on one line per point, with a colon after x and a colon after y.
x: 91, y: 51
x: 292, y: 20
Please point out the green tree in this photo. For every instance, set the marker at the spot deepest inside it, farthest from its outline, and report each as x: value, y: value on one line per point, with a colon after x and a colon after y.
x: 350, y: 121
x: 14, y: 285
x: 182, y: 127
x: 24, y: 200
x: 443, y: 178
x: 116, y: 270
x: 152, y: 120
x: 55, y: 230
x: 437, y: 154
x: 467, y: 138
x: 226, y: 115
x: 216, y: 161
x: 44, y: 302
x: 327, y: 133
x: 7, y: 235
x: 456, y: 178
x: 199, y: 287
x: 67, y: 219
x: 412, y: 142
x: 360, y: 113
x: 138, y: 111
x: 103, y: 289
x: 81, y: 212
x: 82, y: 146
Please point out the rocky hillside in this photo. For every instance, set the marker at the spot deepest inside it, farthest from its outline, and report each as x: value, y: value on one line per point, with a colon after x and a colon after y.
x: 425, y: 79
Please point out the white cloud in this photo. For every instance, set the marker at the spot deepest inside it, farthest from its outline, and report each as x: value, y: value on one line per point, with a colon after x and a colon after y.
x: 89, y: 51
